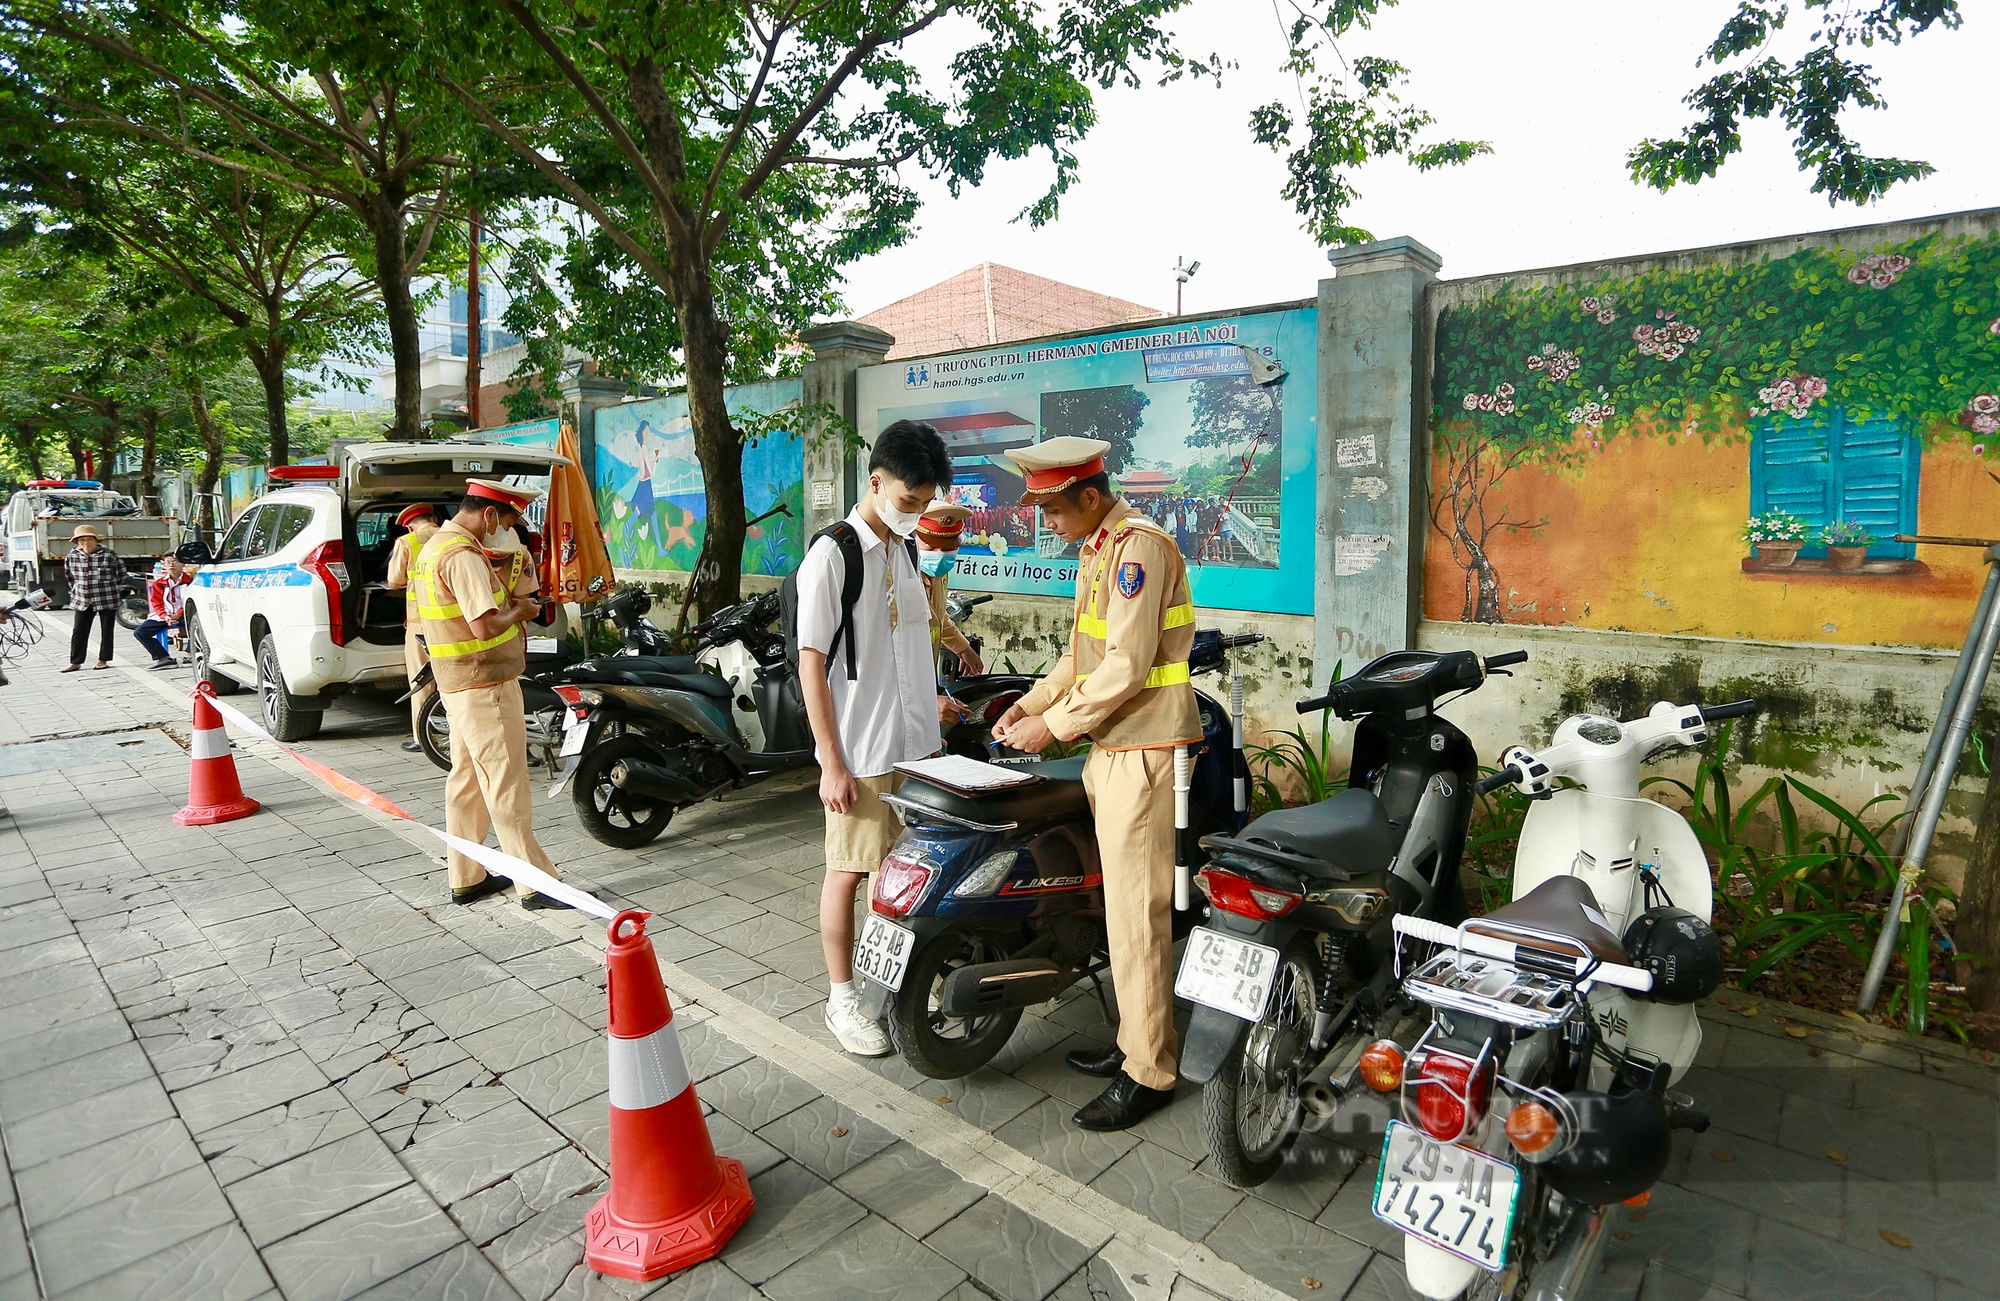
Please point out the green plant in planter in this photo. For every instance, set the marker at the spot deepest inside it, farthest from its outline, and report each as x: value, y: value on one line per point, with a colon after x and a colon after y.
x: 1845, y: 533
x: 1776, y: 526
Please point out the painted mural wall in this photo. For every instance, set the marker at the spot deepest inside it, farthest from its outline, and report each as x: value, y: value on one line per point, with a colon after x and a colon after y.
x: 1726, y: 450
x: 650, y: 492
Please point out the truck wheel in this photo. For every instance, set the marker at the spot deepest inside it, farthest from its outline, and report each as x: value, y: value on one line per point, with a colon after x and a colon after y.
x: 280, y: 718
x: 197, y: 641
x: 434, y: 732
x: 941, y: 1046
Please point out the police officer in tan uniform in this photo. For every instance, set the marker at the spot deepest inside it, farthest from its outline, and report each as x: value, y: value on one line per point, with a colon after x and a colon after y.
x: 938, y: 534
x: 421, y: 521
x: 1124, y: 683
x: 471, y: 583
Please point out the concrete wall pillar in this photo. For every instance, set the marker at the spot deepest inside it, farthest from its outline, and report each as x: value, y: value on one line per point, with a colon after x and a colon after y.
x: 1373, y: 386
x: 840, y: 348
x: 582, y: 397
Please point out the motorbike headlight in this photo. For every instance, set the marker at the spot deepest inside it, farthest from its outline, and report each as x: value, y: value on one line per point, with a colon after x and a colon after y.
x: 982, y: 881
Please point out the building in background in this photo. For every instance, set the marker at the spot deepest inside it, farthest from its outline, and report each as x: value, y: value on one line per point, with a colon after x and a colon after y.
x: 992, y: 304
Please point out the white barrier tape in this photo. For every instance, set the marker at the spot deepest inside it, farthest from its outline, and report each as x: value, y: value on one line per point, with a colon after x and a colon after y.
x: 493, y: 860
x: 648, y: 1071
x: 210, y: 743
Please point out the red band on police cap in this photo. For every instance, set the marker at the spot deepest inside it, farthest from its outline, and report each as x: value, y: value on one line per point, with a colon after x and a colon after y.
x: 1063, y: 475
x: 494, y: 493
x: 413, y: 512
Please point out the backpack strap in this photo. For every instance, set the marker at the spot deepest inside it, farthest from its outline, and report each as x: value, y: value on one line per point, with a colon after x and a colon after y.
x: 849, y: 542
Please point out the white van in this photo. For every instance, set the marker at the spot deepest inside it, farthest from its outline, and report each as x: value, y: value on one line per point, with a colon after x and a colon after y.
x: 293, y: 602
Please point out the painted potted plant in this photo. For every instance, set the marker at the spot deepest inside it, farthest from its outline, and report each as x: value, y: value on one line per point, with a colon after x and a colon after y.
x: 1777, y: 536
x: 1846, y: 544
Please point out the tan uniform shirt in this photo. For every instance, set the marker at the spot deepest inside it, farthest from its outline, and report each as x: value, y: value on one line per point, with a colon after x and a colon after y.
x: 454, y: 584
x: 1124, y: 680
x: 944, y: 632
x: 401, y: 556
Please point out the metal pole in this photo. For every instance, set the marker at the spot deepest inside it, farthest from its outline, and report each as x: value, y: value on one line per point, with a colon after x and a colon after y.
x: 1183, y: 872
x: 1943, y: 724
x: 1981, y: 643
x: 1239, y: 766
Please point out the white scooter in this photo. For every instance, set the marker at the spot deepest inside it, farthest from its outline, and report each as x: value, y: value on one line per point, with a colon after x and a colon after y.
x: 1559, y: 1020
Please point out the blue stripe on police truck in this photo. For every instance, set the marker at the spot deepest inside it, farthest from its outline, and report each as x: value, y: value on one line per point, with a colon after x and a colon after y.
x: 283, y: 576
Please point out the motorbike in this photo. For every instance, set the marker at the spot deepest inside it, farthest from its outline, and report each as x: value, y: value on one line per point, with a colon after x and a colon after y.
x: 1538, y: 1095
x: 991, y: 903
x: 1295, y: 967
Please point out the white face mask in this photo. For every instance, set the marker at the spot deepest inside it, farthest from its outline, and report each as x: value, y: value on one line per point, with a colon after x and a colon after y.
x: 901, y: 523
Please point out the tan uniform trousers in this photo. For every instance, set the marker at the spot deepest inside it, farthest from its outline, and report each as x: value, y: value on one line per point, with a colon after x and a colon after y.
x: 414, y: 659
x: 1132, y: 801
x: 488, y: 785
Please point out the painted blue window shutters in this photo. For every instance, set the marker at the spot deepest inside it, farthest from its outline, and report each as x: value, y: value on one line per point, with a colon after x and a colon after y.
x: 1839, y: 468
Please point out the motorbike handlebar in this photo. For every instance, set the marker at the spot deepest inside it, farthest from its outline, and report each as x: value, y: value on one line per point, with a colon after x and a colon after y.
x: 1318, y: 703
x: 1235, y: 640
x: 1501, y: 661
x: 1507, y: 776
x: 974, y: 601
x: 1736, y: 709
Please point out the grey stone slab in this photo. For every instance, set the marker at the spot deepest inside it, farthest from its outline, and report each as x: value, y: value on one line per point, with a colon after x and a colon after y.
x: 777, y: 996
x: 245, y: 1092
x: 125, y: 1230
x: 319, y: 1185
x: 563, y: 1079
x: 1009, y: 1253
x: 25, y: 1096
x: 1736, y: 1103
x: 505, y: 941
x: 1801, y: 1190
x: 797, y: 1214
x: 374, y: 1243
x: 459, y: 1274
x: 486, y: 1006
x: 1385, y: 1280
x: 271, y: 1137
x: 109, y: 1169
x: 1950, y: 1236
x: 1164, y: 1187
x: 583, y: 998
x: 1177, y: 1126
x: 874, y: 1258
x: 416, y: 955
x: 219, y: 1265
x: 527, y: 1038
x: 493, y: 1212
x: 909, y: 1188
x: 1046, y: 1132
x: 87, y: 1121
x: 762, y: 933
x: 1281, y: 1248
x: 440, y: 981
x: 986, y: 1097
x: 1349, y: 1213
x: 710, y: 1052
x: 537, y: 970
x: 588, y: 1125
x: 23, y: 989
x: 1869, y: 1143
x: 1048, y: 1071
x: 723, y: 969
x: 1787, y: 1264
x: 67, y: 1041
x: 14, y: 1258
x: 825, y: 1137
x: 1695, y: 1235
x: 713, y: 914
x: 472, y: 1154
x: 732, y: 1140
x: 709, y: 1281
x: 756, y: 1092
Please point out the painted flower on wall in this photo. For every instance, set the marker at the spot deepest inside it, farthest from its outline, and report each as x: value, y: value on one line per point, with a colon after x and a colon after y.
x: 1982, y: 414
x: 1792, y: 397
x: 1604, y: 307
x: 1499, y: 402
x: 1995, y: 327
x: 1592, y: 415
x: 1878, y: 270
x: 1666, y: 340
x: 1560, y: 363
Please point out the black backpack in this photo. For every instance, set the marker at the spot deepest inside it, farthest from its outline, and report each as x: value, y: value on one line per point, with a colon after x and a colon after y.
x: 849, y: 542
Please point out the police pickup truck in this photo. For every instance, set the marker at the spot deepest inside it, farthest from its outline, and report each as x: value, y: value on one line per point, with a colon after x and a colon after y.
x: 292, y: 602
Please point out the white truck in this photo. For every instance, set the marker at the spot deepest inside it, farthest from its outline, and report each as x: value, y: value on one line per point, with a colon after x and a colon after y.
x: 292, y: 602
x: 40, y: 518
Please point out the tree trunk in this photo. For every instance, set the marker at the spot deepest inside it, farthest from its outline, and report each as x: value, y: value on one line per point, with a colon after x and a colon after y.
x: 269, y: 361
x: 1976, y: 930
x: 28, y: 442
x: 1488, y: 609
x: 392, y: 279
x: 718, y: 576
x: 211, y: 450
x: 149, y: 454
x: 76, y: 454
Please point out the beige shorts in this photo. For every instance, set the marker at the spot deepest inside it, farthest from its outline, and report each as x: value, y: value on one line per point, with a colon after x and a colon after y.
x: 857, y: 840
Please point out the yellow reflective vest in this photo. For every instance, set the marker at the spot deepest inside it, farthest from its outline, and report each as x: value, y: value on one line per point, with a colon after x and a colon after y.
x: 460, y: 658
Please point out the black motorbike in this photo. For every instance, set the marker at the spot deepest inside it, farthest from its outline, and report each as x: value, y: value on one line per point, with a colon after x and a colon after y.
x: 991, y: 903
x: 1295, y: 966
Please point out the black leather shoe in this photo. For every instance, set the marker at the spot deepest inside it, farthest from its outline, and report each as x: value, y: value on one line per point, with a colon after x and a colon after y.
x: 1096, y: 1061
x: 487, y: 885
x: 1124, y: 1104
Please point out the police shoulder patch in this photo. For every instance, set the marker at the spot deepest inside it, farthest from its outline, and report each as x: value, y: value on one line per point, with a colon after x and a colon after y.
x: 1131, y: 577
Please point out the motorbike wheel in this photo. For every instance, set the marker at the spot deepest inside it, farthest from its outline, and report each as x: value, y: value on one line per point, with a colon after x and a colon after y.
x: 434, y: 732
x: 613, y: 816
x: 943, y: 1047
x: 1250, y: 1110
x: 132, y: 611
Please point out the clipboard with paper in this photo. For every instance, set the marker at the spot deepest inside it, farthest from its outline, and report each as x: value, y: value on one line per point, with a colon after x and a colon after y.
x: 968, y: 777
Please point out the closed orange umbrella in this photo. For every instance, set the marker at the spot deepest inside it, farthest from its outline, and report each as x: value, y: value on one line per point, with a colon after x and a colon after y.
x: 575, y: 565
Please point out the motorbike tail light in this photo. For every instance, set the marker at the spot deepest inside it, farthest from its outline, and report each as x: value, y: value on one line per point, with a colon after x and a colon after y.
x: 1382, y: 1066
x: 1235, y: 894
x: 570, y: 695
x: 900, y: 885
x: 1532, y: 1129
x: 982, y: 881
x: 1451, y: 1100
x: 997, y: 706
x: 327, y: 563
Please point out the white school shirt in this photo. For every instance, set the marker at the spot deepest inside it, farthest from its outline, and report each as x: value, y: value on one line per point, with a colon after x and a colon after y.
x: 888, y: 714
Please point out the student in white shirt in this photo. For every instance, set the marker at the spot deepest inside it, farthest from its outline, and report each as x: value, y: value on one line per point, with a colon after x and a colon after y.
x: 886, y: 713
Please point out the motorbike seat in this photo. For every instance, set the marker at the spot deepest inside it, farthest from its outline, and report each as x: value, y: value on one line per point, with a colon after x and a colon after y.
x: 1561, y: 905
x: 616, y: 673
x: 1347, y: 830
x: 1059, y: 795
x: 682, y: 665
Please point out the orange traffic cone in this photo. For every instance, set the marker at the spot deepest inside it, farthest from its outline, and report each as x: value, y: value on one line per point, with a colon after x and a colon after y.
x: 214, y: 794
x: 673, y: 1201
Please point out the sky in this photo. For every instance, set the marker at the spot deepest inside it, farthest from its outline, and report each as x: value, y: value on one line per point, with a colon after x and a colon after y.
x: 1561, y: 88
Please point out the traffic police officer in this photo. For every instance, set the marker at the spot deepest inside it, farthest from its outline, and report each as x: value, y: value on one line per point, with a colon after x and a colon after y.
x: 938, y: 536
x: 421, y: 521
x: 470, y: 582
x: 1123, y: 683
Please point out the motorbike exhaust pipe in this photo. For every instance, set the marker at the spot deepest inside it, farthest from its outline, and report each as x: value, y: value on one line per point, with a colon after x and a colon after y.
x: 653, y: 782
x: 993, y: 987
x: 1320, y: 1098
x: 1571, y: 1268
x: 1183, y: 857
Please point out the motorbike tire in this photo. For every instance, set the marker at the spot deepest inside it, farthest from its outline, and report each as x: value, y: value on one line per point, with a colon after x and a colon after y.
x: 1294, y: 999
x: 197, y: 640
x: 610, y: 815
x: 913, y: 1025
x: 132, y: 611
x: 434, y: 732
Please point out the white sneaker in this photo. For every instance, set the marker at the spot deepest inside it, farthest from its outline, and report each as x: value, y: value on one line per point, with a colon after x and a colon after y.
x: 857, y: 1034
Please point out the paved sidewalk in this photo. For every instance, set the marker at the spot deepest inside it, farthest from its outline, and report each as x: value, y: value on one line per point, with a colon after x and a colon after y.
x: 267, y: 1059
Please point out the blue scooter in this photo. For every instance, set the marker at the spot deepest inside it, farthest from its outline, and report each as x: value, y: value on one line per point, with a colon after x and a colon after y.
x: 991, y: 903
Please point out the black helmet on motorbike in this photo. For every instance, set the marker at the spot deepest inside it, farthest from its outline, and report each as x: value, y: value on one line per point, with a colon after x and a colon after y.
x: 1679, y: 949
x: 1621, y: 1149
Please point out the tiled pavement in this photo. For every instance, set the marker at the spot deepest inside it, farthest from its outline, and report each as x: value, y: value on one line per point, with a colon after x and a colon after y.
x: 262, y: 1059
